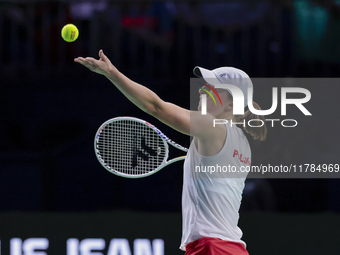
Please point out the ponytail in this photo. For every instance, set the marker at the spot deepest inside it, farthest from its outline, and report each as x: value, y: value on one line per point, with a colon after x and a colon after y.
x: 257, y: 131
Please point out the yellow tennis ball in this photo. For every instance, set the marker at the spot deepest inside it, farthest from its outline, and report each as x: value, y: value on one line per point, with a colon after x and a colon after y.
x: 69, y: 33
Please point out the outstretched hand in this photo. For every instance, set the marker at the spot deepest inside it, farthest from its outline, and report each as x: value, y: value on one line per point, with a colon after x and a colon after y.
x: 102, y: 66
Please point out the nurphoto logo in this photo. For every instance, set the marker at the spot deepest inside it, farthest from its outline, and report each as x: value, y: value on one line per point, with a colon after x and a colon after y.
x: 239, y: 102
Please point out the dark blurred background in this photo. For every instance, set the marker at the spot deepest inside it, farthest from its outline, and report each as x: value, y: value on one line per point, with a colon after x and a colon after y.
x: 51, y: 107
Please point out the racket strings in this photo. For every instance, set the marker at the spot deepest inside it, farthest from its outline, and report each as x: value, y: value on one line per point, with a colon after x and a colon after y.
x: 130, y: 147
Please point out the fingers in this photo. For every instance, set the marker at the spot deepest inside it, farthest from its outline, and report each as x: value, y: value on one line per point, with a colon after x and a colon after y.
x: 88, y: 59
x: 87, y: 62
x: 91, y: 61
x: 99, y: 66
x: 103, y: 56
x: 79, y: 59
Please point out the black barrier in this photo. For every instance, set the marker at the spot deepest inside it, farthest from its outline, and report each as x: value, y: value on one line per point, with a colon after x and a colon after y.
x: 138, y: 233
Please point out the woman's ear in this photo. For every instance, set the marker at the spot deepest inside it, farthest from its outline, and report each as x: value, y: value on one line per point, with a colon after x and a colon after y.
x: 229, y: 106
x: 228, y: 102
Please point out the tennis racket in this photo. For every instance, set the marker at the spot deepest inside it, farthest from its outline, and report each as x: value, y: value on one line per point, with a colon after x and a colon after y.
x: 133, y: 148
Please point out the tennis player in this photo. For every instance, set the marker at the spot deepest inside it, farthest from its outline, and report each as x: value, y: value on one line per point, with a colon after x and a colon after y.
x: 210, y: 200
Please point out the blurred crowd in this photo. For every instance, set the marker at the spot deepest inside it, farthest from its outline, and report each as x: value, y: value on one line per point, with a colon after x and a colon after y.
x: 155, y: 42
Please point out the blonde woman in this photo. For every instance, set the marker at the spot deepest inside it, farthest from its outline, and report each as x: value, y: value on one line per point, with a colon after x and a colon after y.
x: 210, y: 204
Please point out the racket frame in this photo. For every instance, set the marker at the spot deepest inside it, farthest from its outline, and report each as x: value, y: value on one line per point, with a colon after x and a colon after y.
x: 165, y: 140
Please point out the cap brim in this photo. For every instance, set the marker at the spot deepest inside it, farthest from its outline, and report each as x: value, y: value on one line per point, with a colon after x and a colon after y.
x: 207, y: 75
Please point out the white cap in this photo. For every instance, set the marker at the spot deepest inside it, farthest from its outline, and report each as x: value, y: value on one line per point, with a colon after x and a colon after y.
x: 226, y: 75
